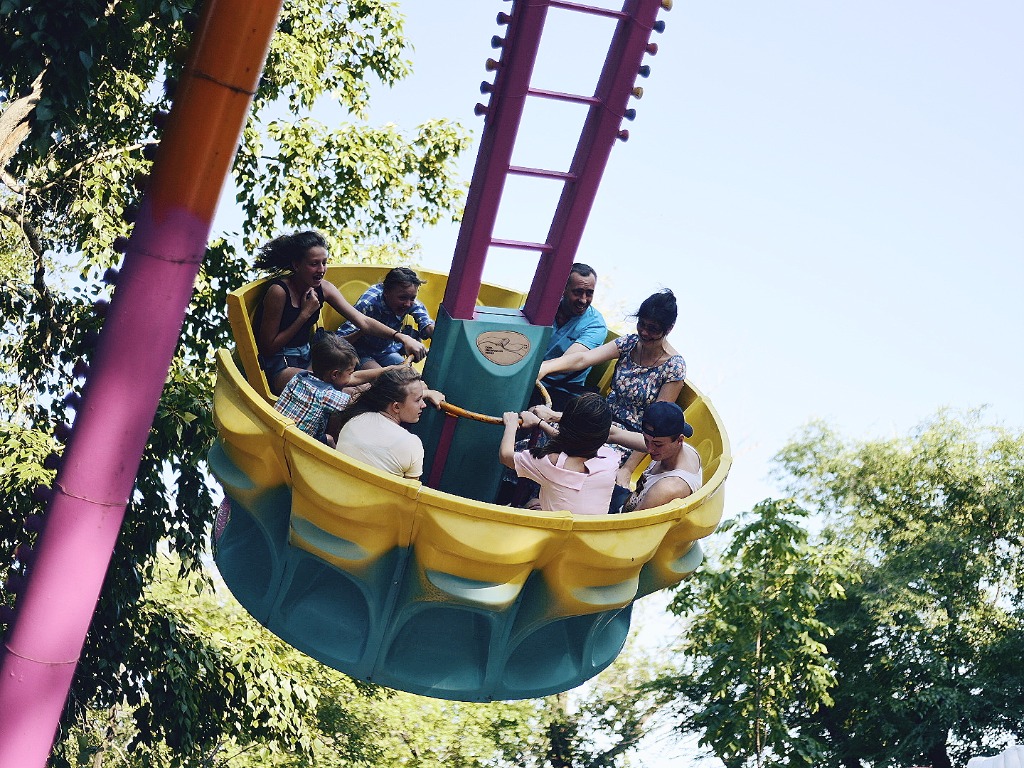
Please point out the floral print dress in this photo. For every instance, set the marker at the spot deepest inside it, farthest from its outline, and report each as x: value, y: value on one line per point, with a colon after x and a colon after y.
x: 634, y: 387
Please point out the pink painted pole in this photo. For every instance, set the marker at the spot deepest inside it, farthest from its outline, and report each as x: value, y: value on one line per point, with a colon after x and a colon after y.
x: 129, y: 368
x: 501, y: 125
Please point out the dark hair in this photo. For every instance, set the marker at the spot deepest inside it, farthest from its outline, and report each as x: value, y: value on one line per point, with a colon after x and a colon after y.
x: 659, y: 308
x: 282, y: 252
x: 401, y: 276
x: 392, y: 386
x: 583, y: 270
x: 329, y: 352
x: 582, y: 430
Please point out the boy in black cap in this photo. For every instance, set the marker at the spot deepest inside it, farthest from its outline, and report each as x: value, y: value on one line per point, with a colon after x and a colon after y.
x: 675, y: 471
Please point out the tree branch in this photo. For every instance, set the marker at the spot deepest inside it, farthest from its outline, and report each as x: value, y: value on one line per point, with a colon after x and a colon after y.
x: 15, y: 127
x: 98, y: 157
x: 629, y: 739
x: 45, y: 302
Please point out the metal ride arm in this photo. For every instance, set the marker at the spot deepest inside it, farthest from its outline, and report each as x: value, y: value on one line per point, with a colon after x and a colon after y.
x: 606, y: 110
x: 100, y: 463
x: 469, y: 374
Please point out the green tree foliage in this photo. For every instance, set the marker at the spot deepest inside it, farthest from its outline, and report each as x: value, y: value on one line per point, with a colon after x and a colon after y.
x: 232, y: 694
x: 891, y: 639
x: 597, y: 726
x: 80, y: 83
x: 755, y: 661
x: 327, y: 720
x: 927, y: 647
x: 601, y: 728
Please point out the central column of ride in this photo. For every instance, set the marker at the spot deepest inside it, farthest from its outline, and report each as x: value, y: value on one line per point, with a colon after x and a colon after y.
x: 485, y: 359
x: 489, y: 360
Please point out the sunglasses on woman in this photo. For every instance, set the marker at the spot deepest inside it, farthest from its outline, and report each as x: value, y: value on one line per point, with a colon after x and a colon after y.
x: 654, y: 329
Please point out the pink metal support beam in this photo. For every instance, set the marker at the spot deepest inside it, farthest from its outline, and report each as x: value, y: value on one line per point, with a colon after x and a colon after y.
x: 625, y: 54
x: 501, y: 125
x: 142, y: 326
x: 606, y: 109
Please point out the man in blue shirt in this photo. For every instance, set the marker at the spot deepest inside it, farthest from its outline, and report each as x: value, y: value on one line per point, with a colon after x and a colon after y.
x: 577, y: 326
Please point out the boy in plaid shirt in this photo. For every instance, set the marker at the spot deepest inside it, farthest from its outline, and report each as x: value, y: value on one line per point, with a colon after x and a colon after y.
x: 312, y: 398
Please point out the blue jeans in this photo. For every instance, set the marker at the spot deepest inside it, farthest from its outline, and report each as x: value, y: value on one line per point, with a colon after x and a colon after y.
x: 619, y: 496
x: 288, y: 357
x: 384, y: 359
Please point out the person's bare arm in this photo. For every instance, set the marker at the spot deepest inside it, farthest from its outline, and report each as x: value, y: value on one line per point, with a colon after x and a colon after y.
x: 410, y: 346
x: 670, y: 391
x: 624, y: 476
x: 355, y: 392
x: 547, y: 418
x: 576, y: 348
x: 664, y: 491
x: 577, y: 361
x: 627, y: 439
x: 530, y: 419
x: 334, y: 427
x: 272, y: 337
x: 546, y: 413
x: 367, y: 375
x: 507, y: 448
x: 434, y: 397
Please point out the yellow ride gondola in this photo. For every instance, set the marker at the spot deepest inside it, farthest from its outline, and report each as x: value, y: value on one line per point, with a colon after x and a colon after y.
x: 421, y: 590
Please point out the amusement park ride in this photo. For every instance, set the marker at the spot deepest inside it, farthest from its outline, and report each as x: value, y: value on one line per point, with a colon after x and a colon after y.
x: 425, y: 587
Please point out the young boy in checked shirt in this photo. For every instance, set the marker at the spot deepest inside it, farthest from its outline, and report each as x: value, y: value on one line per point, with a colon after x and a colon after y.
x: 312, y: 398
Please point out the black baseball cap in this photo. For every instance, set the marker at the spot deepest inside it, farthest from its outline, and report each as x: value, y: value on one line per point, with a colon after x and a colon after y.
x: 665, y: 419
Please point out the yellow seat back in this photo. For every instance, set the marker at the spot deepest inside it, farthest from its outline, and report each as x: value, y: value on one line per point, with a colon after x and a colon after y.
x: 242, y: 304
x: 251, y: 431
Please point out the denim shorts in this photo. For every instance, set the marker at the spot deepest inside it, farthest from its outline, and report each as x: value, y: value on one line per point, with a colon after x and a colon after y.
x: 384, y: 359
x: 288, y: 357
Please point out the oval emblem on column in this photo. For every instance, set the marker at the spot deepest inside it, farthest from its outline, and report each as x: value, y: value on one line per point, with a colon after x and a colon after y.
x: 503, y: 347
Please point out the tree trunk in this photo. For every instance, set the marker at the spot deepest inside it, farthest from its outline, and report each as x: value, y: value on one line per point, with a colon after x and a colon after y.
x: 938, y: 757
x: 15, y: 124
x: 561, y: 733
x: 840, y: 744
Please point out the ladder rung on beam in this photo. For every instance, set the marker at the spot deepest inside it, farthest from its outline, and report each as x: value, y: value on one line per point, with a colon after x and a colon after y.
x: 592, y: 10
x: 540, y: 172
x: 559, y: 96
x: 521, y: 245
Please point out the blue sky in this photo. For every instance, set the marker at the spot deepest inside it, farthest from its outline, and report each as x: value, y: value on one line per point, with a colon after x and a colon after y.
x: 834, y: 190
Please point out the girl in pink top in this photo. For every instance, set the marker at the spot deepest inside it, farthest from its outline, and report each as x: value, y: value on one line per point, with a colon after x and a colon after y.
x: 575, y: 469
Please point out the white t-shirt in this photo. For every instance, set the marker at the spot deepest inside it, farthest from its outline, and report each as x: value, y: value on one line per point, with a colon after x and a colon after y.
x: 375, y: 439
x: 1011, y: 757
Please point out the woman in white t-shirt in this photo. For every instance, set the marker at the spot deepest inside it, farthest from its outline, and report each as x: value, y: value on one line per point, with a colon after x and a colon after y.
x: 372, y: 431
